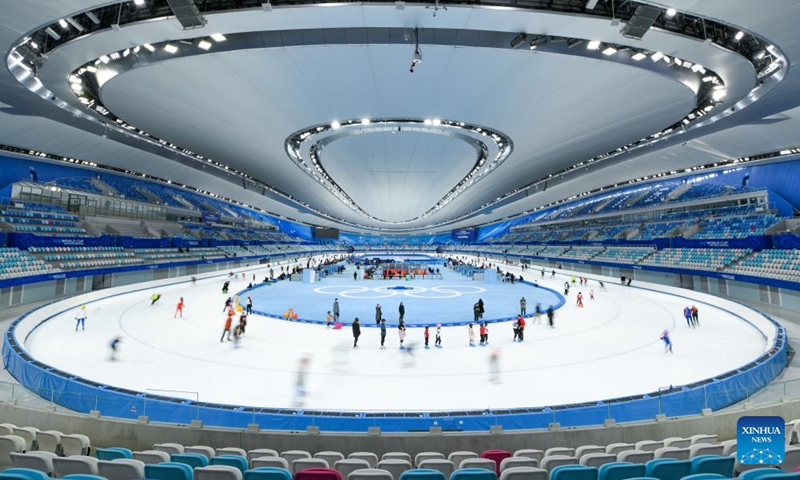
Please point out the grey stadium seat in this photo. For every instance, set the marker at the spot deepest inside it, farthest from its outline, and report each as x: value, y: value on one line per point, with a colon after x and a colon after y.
x: 121, y: 469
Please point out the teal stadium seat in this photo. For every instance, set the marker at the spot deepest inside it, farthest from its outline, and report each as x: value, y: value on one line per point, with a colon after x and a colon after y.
x: 768, y: 474
x: 194, y: 460
x: 574, y: 472
x: 668, y: 468
x: 422, y: 474
x: 113, y: 453
x: 267, y: 473
x: 704, y: 476
x: 231, y: 461
x: 29, y: 473
x: 473, y: 474
x: 12, y: 476
x: 168, y: 471
x: 621, y: 471
x: 713, y: 464
x: 84, y: 476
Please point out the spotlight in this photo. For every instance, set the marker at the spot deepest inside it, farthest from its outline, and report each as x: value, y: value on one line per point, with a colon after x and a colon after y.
x: 436, y: 121
x: 149, y: 47
x: 204, y: 44
x: 335, y: 125
x: 52, y: 33
x: 656, y: 56
x: 609, y: 51
x: 739, y: 36
x: 428, y: 121
x: 365, y: 121
x: 91, y: 69
x: 138, y: 3
x: 63, y: 24
x: 170, y: 48
x: 218, y: 37
x: 593, y: 45
x: 104, y: 59
x: 538, y: 41
x: 519, y: 40
x: 638, y: 56
x: 416, y: 59
x: 671, y: 12
x: 696, y: 67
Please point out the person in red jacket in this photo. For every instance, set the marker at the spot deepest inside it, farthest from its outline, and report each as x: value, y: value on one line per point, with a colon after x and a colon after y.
x: 521, y: 323
x: 482, y: 332
x: 427, y: 338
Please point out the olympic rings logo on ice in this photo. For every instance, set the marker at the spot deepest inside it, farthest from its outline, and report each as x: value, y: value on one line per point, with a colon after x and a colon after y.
x: 367, y: 293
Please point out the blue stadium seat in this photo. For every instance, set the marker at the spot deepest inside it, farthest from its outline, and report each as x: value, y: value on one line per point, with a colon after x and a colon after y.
x: 231, y: 461
x: 760, y: 473
x: 267, y: 473
x: 29, y: 473
x: 621, y: 471
x: 194, y: 460
x: 713, y: 464
x: 574, y: 472
x: 668, y: 468
x: 84, y: 476
x: 422, y: 474
x: 704, y: 476
x: 168, y: 471
x: 112, y: 453
x: 473, y: 474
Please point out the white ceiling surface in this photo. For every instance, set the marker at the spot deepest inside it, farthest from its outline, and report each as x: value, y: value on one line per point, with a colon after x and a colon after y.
x: 573, y: 140
x: 398, y: 174
x: 241, y: 106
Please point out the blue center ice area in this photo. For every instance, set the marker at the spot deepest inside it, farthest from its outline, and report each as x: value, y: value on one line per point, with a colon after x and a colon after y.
x: 446, y: 301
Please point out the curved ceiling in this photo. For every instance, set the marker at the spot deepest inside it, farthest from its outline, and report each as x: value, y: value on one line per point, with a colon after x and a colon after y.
x: 239, y: 107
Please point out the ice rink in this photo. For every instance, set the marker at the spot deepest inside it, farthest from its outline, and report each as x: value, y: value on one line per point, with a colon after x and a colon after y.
x: 609, y: 348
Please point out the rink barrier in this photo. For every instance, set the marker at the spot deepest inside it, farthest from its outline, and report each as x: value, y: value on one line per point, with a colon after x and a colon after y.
x: 83, y: 395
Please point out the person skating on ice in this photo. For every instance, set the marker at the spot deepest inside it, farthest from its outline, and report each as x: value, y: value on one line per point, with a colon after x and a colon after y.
x: 80, y: 318
x: 328, y: 319
x: 249, y: 305
x: 228, y: 323
x: 566, y: 288
x: 401, y: 332
x: 482, y: 334
x: 667, y: 341
x: 687, y: 314
x: 695, y: 316
x: 537, y: 314
x: 378, y: 314
x: 243, y: 322
x: 485, y: 334
x: 228, y: 304
x: 476, y: 311
x: 438, y: 342
x: 335, y: 310
x: 521, y: 324
x: 427, y: 338
x: 591, y: 295
x: 579, y: 303
x: 154, y: 298
x: 179, y: 308
x: 471, y: 336
x: 401, y: 310
x: 383, y: 333
x: 481, y: 307
x: 550, y: 314
x: 356, y: 332
x: 515, y: 329
x: 114, y: 345
x: 523, y: 304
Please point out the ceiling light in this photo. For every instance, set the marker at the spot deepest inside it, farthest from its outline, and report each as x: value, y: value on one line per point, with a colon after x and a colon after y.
x: 204, y: 44
x: 739, y: 36
x: 136, y: 49
x: 428, y: 121
x: 656, y: 56
x: 170, y: 48
x: 63, y: 24
x: 671, y: 12
x: 91, y: 69
x: 74, y: 79
x: 609, y: 51
x: 760, y: 55
x: 218, y: 37
x: 593, y: 45
x: 114, y: 56
x: 436, y: 121
x: 139, y: 3
x: 365, y: 121
x: 667, y: 59
x: 76, y: 87
x: 149, y: 47
x: 638, y: 56
x: 104, y: 59
x: 335, y: 125
x: 708, y: 79
x: 34, y: 45
x: 126, y: 52
x: 678, y: 62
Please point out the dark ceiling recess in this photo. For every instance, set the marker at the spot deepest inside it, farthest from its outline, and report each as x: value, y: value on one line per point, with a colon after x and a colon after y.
x: 187, y: 13
x: 643, y: 18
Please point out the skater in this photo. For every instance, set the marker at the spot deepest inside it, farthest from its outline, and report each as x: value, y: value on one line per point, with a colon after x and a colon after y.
x: 543, y: 273
x: 521, y: 323
x: 225, y: 287
x: 154, y: 298
x: 667, y: 341
x: 355, y: 276
x: 378, y: 314
x: 515, y: 328
x: 80, y: 318
x: 602, y: 286
x: 471, y: 336
x: 249, y: 305
x: 695, y: 317
x: 228, y: 323
x: 482, y: 332
x: 328, y: 319
x: 494, y: 365
x: 242, y: 323
x: 238, y: 331
x: 687, y: 314
x: 485, y: 334
x: 401, y: 310
x: 537, y: 314
x: 383, y: 333
x: 550, y: 314
x: 579, y: 303
x: 179, y: 308
x: 427, y: 338
x: 438, y: 342
x: 356, y: 332
x: 552, y: 274
x: 482, y: 309
x: 300, y: 385
x: 566, y: 288
x: 228, y: 304
x: 113, y: 345
x: 591, y: 295
x: 401, y: 332
x: 476, y: 311
x: 573, y: 279
x: 336, y: 310
x: 523, y: 306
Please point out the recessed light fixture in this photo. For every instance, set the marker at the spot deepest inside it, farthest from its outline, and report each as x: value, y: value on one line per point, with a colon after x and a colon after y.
x: 218, y: 37
x: 335, y: 125
x: 170, y: 48
x: 204, y: 44
x: 365, y: 121
x: 63, y: 24
x: 671, y: 12
x: 149, y: 47
x: 104, y: 59
x: 638, y: 56
x: 139, y: 3
x: 609, y: 51
x: 593, y: 45
x: 656, y: 56
x: 739, y: 36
